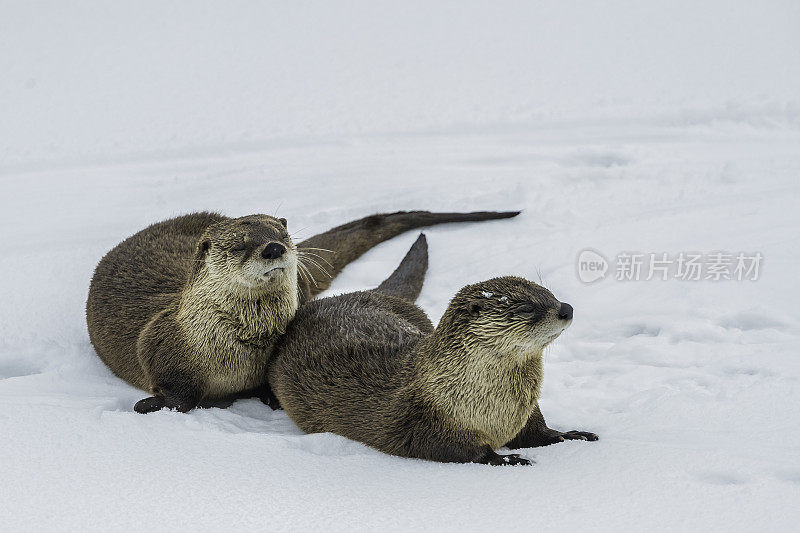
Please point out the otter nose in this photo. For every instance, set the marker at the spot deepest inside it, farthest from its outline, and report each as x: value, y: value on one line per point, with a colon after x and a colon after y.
x: 565, y: 313
x: 273, y: 250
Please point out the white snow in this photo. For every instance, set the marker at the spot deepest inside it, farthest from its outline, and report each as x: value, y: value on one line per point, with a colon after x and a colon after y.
x: 617, y: 126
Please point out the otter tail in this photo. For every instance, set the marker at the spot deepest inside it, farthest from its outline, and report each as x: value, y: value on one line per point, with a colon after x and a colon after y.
x: 323, y: 256
x: 407, y: 279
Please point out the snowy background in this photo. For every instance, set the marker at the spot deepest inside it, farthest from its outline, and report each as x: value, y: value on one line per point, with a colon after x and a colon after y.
x: 619, y: 126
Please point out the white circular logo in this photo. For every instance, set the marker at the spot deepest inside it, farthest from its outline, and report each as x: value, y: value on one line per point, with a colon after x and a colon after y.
x: 591, y: 266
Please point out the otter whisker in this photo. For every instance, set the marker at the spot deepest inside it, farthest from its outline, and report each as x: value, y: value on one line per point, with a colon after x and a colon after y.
x: 302, y: 271
x: 306, y: 257
x: 301, y: 229
x: 318, y: 249
x: 305, y: 251
x: 541, y: 277
x: 320, y: 267
x: 275, y: 214
x: 307, y: 272
x: 317, y: 256
x: 311, y: 277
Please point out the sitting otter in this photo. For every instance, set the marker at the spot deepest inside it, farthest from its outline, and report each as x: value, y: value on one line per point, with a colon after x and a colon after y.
x: 370, y: 366
x: 190, y: 308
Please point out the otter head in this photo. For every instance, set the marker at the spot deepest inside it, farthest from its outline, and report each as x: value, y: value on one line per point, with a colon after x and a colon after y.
x: 508, y: 315
x: 251, y: 253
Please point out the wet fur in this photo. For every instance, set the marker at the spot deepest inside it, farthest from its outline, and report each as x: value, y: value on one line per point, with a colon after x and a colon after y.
x: 162, y: 315
x: 370, y: 366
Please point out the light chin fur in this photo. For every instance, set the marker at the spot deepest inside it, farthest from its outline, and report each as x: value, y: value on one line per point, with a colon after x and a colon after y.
x: 537, y: 343
x: 272, y: 278
x: 256, y: 275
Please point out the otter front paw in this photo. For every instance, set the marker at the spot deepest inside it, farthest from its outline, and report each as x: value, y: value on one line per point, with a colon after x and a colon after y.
x: 510, y: 459
x: 490, y: 457
x: 579, y: 435
x: 155, y: 403
x: 148, y: 405
x: 552, y: 437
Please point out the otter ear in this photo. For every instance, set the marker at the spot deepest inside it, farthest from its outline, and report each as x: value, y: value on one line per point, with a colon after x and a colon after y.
x: 200, y: 256
x: 282, y: 221
x: 474, y: 307
x: 202, y: 250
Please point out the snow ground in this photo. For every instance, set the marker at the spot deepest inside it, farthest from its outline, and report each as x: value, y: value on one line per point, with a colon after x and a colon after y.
x: 658, y: 128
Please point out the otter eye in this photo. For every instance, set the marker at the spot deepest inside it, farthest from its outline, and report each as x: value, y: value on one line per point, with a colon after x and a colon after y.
x: 524, y: 310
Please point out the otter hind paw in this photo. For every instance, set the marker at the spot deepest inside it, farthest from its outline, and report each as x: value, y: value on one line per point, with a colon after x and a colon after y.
x: 579, y: 435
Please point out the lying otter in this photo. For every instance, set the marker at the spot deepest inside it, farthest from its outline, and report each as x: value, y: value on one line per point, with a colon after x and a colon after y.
x: 370, y: 366
x: 190, y: 308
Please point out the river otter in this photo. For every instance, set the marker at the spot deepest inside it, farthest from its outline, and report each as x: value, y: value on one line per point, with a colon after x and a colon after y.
x: 190, y: 308
x: 370, y: 366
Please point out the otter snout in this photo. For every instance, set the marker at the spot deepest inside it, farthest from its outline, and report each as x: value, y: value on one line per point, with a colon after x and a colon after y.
x: 565, y: 312
x: 273, y: 250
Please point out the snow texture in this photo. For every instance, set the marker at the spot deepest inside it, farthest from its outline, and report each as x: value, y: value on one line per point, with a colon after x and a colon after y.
x: 618, y: 126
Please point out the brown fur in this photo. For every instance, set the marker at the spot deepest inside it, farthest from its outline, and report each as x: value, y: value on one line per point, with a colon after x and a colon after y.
x: 186, y: 310
x: 366, y: 366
